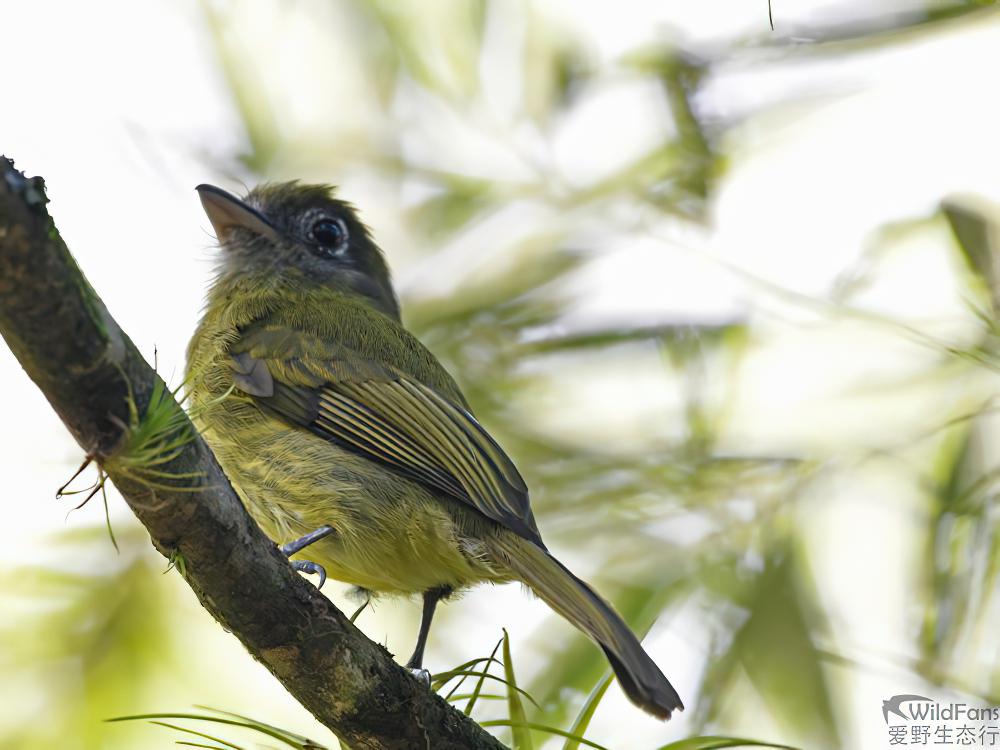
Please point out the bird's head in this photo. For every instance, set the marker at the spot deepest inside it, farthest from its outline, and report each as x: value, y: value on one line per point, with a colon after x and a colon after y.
x: 302, y: 234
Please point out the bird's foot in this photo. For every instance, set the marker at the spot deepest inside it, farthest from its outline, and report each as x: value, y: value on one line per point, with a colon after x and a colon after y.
x: 308, y: 566
x: 422, y: 675
x: 297, y: 545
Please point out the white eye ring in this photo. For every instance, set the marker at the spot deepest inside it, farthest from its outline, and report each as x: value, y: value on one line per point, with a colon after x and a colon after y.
x: 329, y: 235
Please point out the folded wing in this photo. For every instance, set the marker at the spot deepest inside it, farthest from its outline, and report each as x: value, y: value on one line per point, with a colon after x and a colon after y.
x: 389, y: 417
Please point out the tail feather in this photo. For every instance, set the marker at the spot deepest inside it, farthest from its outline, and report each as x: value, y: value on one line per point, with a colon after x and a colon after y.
x: 638, y: 675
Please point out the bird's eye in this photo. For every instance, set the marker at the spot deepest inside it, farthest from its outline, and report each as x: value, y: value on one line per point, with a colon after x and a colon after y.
x: 330, y: 235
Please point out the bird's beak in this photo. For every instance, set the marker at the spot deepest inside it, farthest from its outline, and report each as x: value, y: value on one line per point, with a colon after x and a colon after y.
x: 227, y: 212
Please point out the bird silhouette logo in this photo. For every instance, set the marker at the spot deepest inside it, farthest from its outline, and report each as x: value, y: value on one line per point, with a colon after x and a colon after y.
x: 893, y: 705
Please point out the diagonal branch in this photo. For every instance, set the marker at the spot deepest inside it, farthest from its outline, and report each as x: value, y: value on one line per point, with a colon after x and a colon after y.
x: 90, y: 372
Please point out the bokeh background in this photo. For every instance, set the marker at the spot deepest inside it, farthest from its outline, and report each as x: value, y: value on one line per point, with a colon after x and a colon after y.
x: 726, y: 294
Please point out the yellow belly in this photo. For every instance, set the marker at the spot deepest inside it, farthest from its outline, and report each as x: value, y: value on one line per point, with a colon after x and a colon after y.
x: 391, y: 534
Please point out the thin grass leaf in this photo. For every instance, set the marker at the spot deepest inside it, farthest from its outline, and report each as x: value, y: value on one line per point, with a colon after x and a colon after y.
x: 186, y: 743
x: 489, y: 676
x: 978, y: 238
x: 459, y: 684
x: 457, y: 672
x: 587, y: 711
x: 359, y: 610
x: 307, y: 744
x: 66, y: 493
x: 196, y: 733
x: 479, y: 685
x: 171, y: 474
x: 278, y: 734
x: 519, y: 729
x: 716, y: 743
x: 527, y: 725
x: 484, y: 696
x: 177, y: 561
x: 287, y: 733
x: 441, y: 679
x: 107, y: 517
x: 154, y: 440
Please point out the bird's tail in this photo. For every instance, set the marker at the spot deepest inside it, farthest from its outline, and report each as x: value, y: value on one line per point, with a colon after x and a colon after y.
x: 640, y: 678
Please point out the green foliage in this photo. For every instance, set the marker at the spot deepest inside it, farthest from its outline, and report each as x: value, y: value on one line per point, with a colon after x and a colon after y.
x: 775, y: 649
x: 519, y: 727
x: 93, y: 635
x: 225, y: 719
x: 153, y: 440
x: 689, y: 514
x: 587, y: 712
x: 716, y: 743
x: 517, y: 720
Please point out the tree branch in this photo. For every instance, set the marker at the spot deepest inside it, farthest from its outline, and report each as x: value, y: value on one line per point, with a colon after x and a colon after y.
x: 89, y: 370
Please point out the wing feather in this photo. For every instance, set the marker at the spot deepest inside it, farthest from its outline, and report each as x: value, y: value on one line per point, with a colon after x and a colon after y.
x: 397, y: 421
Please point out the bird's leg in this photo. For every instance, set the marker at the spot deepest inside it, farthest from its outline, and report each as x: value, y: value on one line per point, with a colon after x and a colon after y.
x: 297, y: 545
x: 415, y: 664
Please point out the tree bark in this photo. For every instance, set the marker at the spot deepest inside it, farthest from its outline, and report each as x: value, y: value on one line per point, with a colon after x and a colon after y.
x: 90, y: 371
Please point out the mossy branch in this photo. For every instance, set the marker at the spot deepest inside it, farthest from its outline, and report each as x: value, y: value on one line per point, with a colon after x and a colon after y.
x: 124, y: 418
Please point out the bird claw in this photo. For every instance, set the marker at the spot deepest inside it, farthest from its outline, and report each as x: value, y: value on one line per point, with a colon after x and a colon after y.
x: 422, y: 675
x: 297, y: 545
x: 308, y: 566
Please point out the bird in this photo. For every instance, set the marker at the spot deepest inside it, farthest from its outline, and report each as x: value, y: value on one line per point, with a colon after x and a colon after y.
x: 339, y: 430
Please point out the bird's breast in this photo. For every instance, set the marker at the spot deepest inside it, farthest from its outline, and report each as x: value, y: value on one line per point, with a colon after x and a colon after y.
x: 391, y: 533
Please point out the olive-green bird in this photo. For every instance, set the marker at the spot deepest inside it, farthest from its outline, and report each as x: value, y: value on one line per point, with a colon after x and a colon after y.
x: 328, y: 415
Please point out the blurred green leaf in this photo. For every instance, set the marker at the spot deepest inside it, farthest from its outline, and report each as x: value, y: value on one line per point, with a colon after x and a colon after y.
x: 977, y: 233
x: 296, y: 741
x: 541, y: 728
x: 715, y: 743
x: 962, y: 559
x: 775, y: 649
x: 204, y: 736
x: 476, y: 693
x: 109, y: 619
x: 260, y: 122
x: 587, y: 711
x: 437, y: 44
x: 452, y: 208
x: 518, y: 720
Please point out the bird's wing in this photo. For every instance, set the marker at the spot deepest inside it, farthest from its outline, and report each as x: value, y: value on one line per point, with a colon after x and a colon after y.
x: 387, y: 416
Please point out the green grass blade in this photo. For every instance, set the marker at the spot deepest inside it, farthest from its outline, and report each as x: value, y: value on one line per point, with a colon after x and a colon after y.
x: 527, y: 725
x: 278, y: 734
x: 716, y: 743
x: 501, y: 680
x: 479, y: 685
x: 519, y: 729
x: 489, y: 661
x: 482, y: 696
x: 107, y: 517
x: 440, y: 679
x: 357, y: 613
x: 290, y: 736
x: 583, y: 718
x: 178, y: 728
